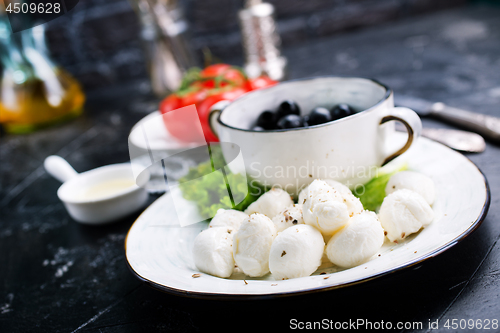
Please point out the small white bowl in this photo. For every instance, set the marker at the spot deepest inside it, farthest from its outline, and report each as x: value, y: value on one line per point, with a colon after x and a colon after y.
x: 83, y: 196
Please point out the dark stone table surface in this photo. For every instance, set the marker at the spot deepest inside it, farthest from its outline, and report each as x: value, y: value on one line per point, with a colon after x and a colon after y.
x: 57, y: 275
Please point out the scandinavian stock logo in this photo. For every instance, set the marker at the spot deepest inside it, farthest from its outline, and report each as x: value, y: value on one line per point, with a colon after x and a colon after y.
x: 220, y: 180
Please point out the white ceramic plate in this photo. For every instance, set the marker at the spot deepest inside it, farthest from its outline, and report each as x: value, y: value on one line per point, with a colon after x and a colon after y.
x: 159, y: 251
x: 159, y: 137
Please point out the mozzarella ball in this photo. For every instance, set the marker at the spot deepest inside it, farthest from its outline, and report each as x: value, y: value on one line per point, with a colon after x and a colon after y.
x: 296, y: 252
x: 302, y: 196
x: 252, y: 243
x: 270, y: 203
x: 290, y: 216
x: 228, y: 218
x: 414, y: 181
x: 357, y: 242
x: 354, y: 205
x: 309, y: 191
x: 338, y: 186
x: 326, y: 211
x: 318, y: 186
x: 404, y: 212
x: 213, y: 251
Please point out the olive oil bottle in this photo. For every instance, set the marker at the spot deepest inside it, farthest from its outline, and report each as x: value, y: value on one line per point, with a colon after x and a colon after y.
x: 34, y: 91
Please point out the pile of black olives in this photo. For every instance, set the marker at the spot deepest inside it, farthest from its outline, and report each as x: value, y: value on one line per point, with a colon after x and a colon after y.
x: 288, y: 116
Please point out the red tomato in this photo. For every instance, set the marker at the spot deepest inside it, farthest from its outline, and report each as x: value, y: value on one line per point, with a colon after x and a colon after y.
x: 193, y: 97
x: 223, y: 75
x: 184, y: 124
x: 170, y: 103
x: 261, y: 82
x: 208, y: 84
x: 179, y: 124
x: 234, y: 76
x: 214, y: 70
x: 204, y: 109
x: 213, y: 84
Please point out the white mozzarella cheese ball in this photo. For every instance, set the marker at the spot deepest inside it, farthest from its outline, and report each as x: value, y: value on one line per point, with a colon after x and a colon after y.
x: 228, y: 218
x: 324, y: 208
x: 354, y: 205
x: 315, y: 189
x: 270, y: 203
x: 318, y: 186
x: 414, y: 181
x: 213, y: 251
x: 357, y: 242
x: 252, y: 243
x: 296, y: 252
x: 338, y: 186
x: 404, y: 212
x: 290, y: 216
x: 302, y: 196
x: 328, y: 214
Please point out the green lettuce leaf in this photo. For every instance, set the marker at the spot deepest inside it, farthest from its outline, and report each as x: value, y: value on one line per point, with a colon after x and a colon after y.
x: 210, y: 193
x: 374, y: 191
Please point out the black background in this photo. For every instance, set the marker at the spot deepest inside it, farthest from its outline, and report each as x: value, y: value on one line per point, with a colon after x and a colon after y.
x: 98, y: 293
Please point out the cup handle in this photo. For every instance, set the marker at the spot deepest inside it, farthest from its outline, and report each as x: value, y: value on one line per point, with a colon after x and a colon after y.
x: 215, y: 111
x: 411, y: 121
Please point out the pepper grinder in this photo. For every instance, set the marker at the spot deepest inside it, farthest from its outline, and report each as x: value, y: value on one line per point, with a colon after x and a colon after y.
x: 261, y: 41
x: 165, y: 37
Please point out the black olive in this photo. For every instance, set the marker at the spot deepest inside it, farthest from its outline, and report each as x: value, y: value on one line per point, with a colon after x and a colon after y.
x: 267, y: 120
x: 341, y: 111
x: 258, y: 129
x: 305, y: 121
x: 288, y: 107
x: 318, y: 116
x: 290, y: 121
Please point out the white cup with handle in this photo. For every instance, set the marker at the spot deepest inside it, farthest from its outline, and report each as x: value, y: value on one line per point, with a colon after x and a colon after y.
x: 349, y: 150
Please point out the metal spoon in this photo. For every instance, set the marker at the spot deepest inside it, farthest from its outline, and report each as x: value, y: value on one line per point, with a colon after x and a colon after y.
x: 487, y: 126
x: 455, y: 139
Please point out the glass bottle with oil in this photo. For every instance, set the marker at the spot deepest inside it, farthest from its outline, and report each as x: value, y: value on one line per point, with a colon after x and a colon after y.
x: 34, y: 91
